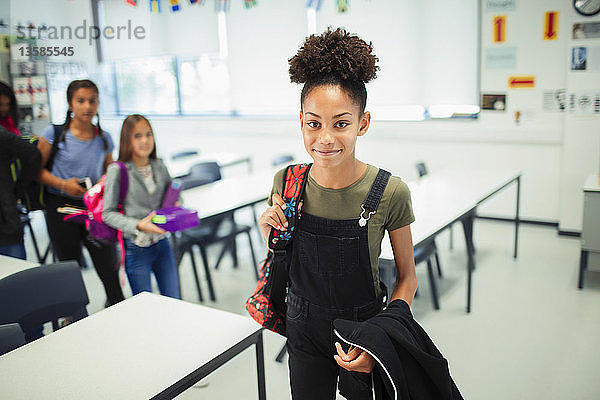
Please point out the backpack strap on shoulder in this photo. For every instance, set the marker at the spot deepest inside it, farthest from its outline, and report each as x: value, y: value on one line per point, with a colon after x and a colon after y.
x: 123, y: 182
x: 294, y: 182
x: 369, y: 207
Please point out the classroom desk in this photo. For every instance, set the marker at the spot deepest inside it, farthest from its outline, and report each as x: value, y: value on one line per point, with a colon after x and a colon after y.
x: 11, y: 265
x: 146, y: 347
x: 181, y: 167
x: 229, y: 194
x: 443, y: 198
x: 590, y: 232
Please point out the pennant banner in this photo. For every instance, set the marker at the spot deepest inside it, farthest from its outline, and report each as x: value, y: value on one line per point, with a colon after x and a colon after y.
x: 175, y: 6
x: 221, y: 5
x: 249, y: 3
x: 131, y: 2
x: 342, y: 6
x: 154, y: 6
x: 316, y: 4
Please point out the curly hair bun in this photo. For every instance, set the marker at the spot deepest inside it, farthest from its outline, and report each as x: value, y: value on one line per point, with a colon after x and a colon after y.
x: 334, y: 54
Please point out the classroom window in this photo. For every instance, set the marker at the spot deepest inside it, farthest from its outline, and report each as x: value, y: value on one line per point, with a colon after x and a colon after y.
x: 148, y: 86
x: 204, y: 85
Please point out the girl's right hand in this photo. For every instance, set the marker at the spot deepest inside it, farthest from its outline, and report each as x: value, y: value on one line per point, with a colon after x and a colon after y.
x: 273, y: 217
x: 72, y: 187
x: 146, y: 225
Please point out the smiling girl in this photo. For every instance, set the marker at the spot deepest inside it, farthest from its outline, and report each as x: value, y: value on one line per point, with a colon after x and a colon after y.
x: 147, y: 247
x: 334, y: 267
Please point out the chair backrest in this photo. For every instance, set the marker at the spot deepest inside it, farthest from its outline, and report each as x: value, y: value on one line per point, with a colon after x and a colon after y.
x: 183, y: 154
x: 42, y: 294
x: 11, y: 337
x: 201, y: 174
x: 282, y: 159
x: 421, y: 169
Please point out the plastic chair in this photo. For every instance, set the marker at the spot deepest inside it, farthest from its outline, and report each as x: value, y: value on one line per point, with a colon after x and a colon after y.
x: 11, y: 337
x: 282, y: 159
x: 421, y: 169
x: 216, y: 229
x: 424, y: 252
x: 43, y: 294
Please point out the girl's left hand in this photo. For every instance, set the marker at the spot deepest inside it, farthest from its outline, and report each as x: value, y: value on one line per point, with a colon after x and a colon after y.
x: 354, y: 360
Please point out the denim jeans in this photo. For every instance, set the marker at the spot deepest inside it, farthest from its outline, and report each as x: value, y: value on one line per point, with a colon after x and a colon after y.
x: 14, y: 250
x: 159, y: 259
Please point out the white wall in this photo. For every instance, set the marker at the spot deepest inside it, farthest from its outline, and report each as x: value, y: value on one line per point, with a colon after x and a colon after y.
x: 555, y: 150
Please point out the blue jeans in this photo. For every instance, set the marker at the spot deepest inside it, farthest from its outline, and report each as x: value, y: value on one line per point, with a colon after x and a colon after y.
x: 14, y: 250
x: 158, y: 258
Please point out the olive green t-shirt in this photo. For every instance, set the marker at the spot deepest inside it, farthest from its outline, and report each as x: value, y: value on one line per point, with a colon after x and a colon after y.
x: 394, y: 211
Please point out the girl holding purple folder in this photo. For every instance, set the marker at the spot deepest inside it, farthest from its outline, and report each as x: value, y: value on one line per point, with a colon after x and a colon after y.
x: 147, y: 247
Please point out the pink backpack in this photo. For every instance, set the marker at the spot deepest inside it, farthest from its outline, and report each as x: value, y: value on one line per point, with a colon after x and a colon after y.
x: 94, y: 203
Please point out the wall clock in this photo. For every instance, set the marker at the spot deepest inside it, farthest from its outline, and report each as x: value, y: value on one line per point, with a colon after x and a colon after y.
x: 587, y: 7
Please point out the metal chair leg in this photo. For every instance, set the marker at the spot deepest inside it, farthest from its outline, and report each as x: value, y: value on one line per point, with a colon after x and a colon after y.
x: 252, y: 254
x: 434, y: 292
x: 192, y: 258
x: 211, y: 290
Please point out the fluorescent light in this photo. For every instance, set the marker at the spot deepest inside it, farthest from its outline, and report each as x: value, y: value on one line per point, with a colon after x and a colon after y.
x: 311, y: 20
x: 398, y: 113
x: 448, y: 110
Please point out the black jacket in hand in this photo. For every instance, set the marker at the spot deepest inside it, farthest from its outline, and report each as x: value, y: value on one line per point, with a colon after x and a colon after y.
x: 11, y: 146
x: 408, y: 365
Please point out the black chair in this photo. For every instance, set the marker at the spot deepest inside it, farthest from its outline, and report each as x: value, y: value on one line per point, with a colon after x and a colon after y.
x: 424, y: 252
x: 421, y: 169
x: 282, y: 159
x: 11, y: 337
x: 184, y: 154
x: 43, y: 294
x: 220, y: 228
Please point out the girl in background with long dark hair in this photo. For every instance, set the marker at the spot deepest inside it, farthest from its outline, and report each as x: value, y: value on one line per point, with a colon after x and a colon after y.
x: 9, y: 114
x: 84, y: 151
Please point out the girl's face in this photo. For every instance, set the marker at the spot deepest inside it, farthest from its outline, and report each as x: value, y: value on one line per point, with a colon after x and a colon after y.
x: 142, y: 140
x: 4, y: 106
x: 330, y: 122
x: 84, y: 104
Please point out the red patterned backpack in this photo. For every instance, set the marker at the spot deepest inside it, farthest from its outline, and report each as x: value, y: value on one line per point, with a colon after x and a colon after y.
x: 267, y: 303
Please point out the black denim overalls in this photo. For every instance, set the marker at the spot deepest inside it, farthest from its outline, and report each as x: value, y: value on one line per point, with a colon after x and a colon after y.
x: 330, y: 278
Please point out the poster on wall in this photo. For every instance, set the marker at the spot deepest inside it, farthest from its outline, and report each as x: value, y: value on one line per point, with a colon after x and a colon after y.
x: 501, y: 58
x: 500, y: 5
x: 588, y: 30
x: 30, y: 90
x: 593, y: 58
x: 578, y: 58
x: 555, y: 100
x: 495, y: 102
x: 584, y: 102
x: 551, y: 25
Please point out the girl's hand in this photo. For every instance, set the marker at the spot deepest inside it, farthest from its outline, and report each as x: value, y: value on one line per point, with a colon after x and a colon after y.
x: 273, y: 217
x: 355, y: 360
x: 146, y: 225
x: 72, y: 187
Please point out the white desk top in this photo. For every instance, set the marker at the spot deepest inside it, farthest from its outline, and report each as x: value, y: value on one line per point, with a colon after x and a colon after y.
x: 133, y: 350
x: 440, y: 198
x: 10, y: 265
x: 592, y: 183
x: 182, y: 166
x: 229, y: 193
